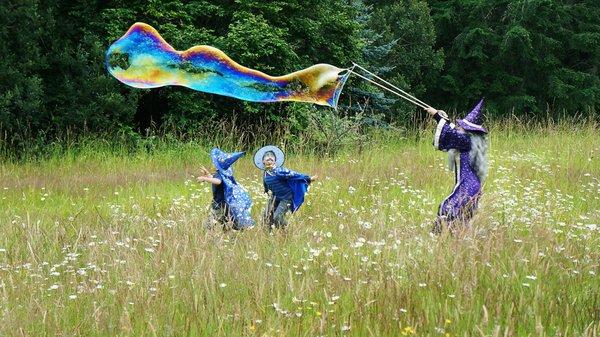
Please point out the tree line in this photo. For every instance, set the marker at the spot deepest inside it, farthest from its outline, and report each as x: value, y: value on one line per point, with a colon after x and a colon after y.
x: 528, y: 58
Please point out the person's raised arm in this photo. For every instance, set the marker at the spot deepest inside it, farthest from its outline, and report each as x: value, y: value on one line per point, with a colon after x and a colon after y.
x: 446, y: 135
x: 207, y: 177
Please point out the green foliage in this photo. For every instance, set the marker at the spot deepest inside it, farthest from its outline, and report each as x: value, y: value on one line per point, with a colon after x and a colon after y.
x: 53, y: 80
x: 52, y: 77
x: 524, y: 56
x: 21, y: 87
x: 399, y: 42
x: 328, y: 133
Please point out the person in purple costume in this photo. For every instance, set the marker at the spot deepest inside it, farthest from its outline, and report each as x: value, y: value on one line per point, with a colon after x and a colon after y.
x: 467, y: 145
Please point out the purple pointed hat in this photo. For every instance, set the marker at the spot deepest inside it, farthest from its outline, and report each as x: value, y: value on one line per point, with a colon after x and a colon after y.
x: 474, y: 120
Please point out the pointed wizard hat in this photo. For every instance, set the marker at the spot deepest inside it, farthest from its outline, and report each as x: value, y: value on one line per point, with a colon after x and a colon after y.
x: 474, y: 120
x: 223, y: 160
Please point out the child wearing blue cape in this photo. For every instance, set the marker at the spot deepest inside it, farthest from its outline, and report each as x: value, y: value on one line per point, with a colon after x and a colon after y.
x: 231, y: 203
x: 287, y: 187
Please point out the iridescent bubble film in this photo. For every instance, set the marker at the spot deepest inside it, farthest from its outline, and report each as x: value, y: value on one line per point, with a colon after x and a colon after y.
x: 143, y: 59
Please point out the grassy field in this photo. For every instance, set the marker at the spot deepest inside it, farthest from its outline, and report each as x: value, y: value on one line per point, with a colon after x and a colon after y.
x: 97, y: 242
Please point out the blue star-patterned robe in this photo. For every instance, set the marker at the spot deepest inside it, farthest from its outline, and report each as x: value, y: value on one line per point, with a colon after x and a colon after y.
x: 237, y: 198
x: 461, y: 203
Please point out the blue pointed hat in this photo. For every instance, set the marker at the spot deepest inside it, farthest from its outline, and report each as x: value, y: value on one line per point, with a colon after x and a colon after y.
x: 223, y: 160
x: 474, y: 120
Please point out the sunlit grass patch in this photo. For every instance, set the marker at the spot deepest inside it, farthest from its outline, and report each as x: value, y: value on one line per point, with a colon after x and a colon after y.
x: 114, y: 244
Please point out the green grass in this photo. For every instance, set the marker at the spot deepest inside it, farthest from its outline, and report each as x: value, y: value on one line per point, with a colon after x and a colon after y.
x: 97, y: 241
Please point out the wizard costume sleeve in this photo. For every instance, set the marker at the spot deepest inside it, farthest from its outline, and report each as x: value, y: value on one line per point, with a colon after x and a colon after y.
x: 298, y: 183
x: 236, y: 197
x: 461, y: 203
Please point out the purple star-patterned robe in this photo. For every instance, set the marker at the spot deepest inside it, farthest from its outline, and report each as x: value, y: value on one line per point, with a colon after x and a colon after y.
x: 461, y: 203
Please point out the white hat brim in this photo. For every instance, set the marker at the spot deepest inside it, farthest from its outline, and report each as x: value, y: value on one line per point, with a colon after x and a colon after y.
x: 279, y: 156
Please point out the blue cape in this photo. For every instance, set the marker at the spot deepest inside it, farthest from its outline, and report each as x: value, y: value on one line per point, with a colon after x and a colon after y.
x: 298, y: 182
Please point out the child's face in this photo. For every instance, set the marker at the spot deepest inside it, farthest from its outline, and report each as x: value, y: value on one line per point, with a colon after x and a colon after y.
x: 269, y: 161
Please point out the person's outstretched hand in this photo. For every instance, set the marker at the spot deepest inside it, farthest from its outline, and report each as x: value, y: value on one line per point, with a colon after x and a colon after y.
x: 315, y: 177
x: 431, y: 111
x: 205, y: 174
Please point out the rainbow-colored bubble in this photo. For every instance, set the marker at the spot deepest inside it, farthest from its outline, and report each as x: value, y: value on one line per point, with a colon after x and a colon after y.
x: 143, y: 59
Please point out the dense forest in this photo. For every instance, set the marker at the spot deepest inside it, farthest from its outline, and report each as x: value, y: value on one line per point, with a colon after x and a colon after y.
x: 528, y: 58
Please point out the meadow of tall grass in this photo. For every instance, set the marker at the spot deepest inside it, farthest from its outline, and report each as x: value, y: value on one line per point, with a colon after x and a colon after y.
x: 102, y: 240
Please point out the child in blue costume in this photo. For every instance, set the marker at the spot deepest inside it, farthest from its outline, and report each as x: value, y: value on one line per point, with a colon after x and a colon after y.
x: 287, y: 187
x: 231, y: 202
